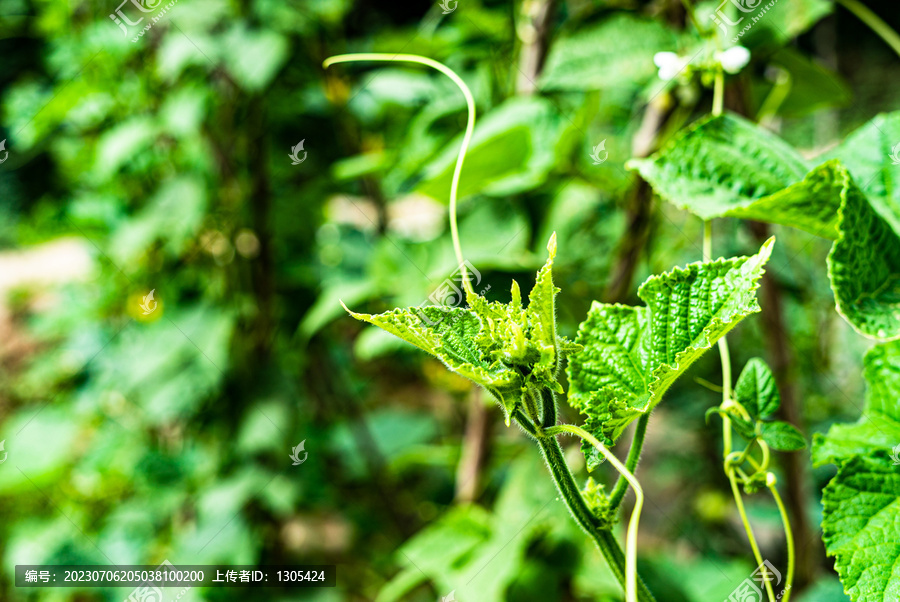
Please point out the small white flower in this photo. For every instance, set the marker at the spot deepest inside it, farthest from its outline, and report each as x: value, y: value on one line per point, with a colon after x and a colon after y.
x: 669, y: 64
x: 734, y: 59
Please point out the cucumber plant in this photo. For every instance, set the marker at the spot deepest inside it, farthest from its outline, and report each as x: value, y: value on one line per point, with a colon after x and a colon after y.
x: 621, y: 364
x: 624, y: 359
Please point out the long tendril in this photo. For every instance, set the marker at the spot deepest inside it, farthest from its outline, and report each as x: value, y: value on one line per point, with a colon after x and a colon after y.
x: 467, y: 138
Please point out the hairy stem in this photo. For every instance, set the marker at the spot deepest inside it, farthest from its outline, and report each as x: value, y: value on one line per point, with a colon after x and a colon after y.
x: 467, y: 138
x: 631, y: 462
x: 548, y: 408
x: 568, y: 489
x: 631, y: 536
x: 519, y: 416
x: 875, y: 23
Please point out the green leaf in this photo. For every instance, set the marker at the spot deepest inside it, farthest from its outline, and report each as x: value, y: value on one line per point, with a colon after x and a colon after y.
x: 745, y: 428
x: 253, y: 57
x: 756, y: 389
x: 813, y: 87
x: 771, y: 23
x: 541, y: 315
x: 719, y: 164
x: 861, y: 510
x: 633, y: 355
x: 503, y: 347
x: 878, y: 429
x: 513, y: 149
x: 872, y: 155
x: 726, y: 166
x: 450, y: 335
x: 782, y: 436
x: 615, y: 53
x: 729, y: 167
x: 693, y: 307
x: 608, y: 380
x: 810, y: 205
x: 757, y: 392
x: 864, y: 268
x: 861, y: 527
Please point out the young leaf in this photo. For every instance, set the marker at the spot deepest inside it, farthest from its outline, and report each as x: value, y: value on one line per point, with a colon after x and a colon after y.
x: 756, y: 389
x: 541, y: 316
x: 745, y: 428
x: 861, y: 511
x: 502, y: 347
x: 782, y: 436
x: 608, y: 380
x: 450, y: 334
x: 633, y: 355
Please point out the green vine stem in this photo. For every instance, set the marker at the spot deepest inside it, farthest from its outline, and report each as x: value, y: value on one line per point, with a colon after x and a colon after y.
x: 719, y: 92
x: 467, y: 138
x: 875, y: 23
x: 719, y: 85
x: 631, y: 536
x: 631, y: 462
x: 771, y: 483
x: 548, y: 408
x: 727, y: 402
x: 746, y: 522
x: 571, y: 494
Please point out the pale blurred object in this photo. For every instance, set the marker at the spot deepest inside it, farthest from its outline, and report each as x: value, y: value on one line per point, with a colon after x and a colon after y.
x: 55, y: 262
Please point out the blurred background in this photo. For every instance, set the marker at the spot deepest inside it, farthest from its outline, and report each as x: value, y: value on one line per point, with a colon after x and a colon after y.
x: 182, y: 207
